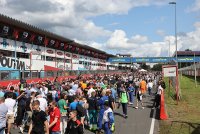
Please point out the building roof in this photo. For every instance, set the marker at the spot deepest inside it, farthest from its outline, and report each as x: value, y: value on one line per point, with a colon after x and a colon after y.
x: 186, y: 53
x: 33, y: 29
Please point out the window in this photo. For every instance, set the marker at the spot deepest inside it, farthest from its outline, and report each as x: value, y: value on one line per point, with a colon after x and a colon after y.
x: 22, y: 55
x: 67, y: 61
x: 80, y: 62
x: 5, y: 75
x: 7, y: 53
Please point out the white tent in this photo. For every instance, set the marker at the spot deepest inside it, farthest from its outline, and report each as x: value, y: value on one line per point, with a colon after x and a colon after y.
x: 142, y: 70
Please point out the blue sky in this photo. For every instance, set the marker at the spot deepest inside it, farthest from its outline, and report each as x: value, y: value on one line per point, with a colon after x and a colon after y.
x: 137, y: 27
x: 148, y: 19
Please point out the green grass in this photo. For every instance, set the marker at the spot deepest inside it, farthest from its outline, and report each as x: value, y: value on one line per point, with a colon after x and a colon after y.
x: 184, y: 117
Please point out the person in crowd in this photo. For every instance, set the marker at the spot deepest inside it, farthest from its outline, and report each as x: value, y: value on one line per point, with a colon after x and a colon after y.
x: 158, y: 96
x: 10, y: 103
x: 79, y: 91
x: 143, y: 86
x: 131, y: 91
x: 54, y: 124
x: 114, y: 92
x: 74, y: 126
x: 101, y: 102
x: 90, y: 90
x: 139, y: 97
x: 39, y: 124
x: 75, y: 86
x: 108, y: 119
x: 3, y: 113
x: 124, y: 101
x: 150, y: 86
x: 92, y: 101
x: 21, y: 108
x: 1, y: 92
x: 111, y: 100
x: 62, y: 104
x: 11, y: 91
x: 28, y: 112
x: 43, y: 102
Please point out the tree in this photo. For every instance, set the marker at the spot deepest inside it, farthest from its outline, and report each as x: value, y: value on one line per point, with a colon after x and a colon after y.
x: 188, y: 49
x: 157, y: 67
x: 145, y: 66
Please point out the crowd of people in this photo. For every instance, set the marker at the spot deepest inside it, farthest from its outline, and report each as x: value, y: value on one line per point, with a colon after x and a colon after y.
x: 72, y: 105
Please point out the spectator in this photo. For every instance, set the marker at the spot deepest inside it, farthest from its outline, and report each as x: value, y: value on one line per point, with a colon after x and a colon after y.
x: 39, y: 123
x: 92, y: 101
x: 3, y: 113
x: 54, y: 124
x: 108, y: 119
x: 74, y: 126
x: 10, y: 103
x: 63, y: 109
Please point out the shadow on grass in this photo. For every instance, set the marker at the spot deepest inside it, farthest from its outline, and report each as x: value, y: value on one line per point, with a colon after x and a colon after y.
x: 191, y: 128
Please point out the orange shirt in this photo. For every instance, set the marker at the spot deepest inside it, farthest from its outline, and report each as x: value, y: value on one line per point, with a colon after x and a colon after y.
x: 84, y: 85
x: 143, y: 86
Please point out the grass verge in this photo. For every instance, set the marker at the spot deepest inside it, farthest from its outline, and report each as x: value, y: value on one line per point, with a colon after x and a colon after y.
x: 184, y: 117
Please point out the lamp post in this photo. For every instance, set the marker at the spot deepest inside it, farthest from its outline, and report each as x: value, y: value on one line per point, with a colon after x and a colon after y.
x: 174, y: 3
x: 169, y: 50
x: 177, y: 80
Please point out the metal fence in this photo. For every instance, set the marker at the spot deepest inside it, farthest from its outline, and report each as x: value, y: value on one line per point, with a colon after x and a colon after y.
x: 30, y: 74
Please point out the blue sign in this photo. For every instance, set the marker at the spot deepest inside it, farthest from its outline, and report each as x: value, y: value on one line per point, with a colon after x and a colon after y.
x: 153, y: 59
x: 120, y: 60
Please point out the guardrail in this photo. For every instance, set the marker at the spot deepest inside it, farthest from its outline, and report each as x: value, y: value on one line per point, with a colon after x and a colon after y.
x: 31, y: 74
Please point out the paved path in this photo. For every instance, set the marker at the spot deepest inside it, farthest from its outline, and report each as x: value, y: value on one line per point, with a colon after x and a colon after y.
x: 138, y: 121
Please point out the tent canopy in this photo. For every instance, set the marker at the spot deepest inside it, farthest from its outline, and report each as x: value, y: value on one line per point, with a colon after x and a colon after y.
x: 142, y: 70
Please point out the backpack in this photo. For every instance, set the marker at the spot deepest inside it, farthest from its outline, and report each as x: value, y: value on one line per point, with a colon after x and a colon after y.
x: 80, y: 110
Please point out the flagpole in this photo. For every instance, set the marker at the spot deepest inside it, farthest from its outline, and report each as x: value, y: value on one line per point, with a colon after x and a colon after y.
x: 15, y: 52
x: 44, y: 54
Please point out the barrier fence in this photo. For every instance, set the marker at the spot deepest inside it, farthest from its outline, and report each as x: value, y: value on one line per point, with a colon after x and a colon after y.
x: 13, y: 77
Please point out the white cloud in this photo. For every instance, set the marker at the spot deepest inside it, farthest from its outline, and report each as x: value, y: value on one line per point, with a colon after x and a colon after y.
x: 160, y: 32
x: 195, y: 7
x: 72, y: 19
x: 136, y: 45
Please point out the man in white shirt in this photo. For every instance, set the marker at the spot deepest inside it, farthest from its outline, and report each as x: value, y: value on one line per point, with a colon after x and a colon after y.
x: 10, y: 103
x: 43, y: 102
x: 89, y: 93
x: 150, y: 86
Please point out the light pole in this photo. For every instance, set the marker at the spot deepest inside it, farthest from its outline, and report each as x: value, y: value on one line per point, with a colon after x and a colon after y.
x: 169, y: 48
x: 177, y: 80
x: 174, y: 3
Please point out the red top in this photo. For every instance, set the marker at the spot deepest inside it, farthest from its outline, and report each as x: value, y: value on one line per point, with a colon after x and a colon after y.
x: 55, y: 113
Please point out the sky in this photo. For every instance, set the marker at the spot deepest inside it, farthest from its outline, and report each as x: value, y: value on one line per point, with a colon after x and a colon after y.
x: 138, y: 27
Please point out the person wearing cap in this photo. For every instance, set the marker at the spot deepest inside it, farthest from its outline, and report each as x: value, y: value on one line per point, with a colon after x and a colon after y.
x: 3, y: 113
x: 108, y: 119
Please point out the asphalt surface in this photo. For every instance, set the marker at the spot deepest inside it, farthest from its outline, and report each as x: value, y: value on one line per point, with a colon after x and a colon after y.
x: 138, y: 121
